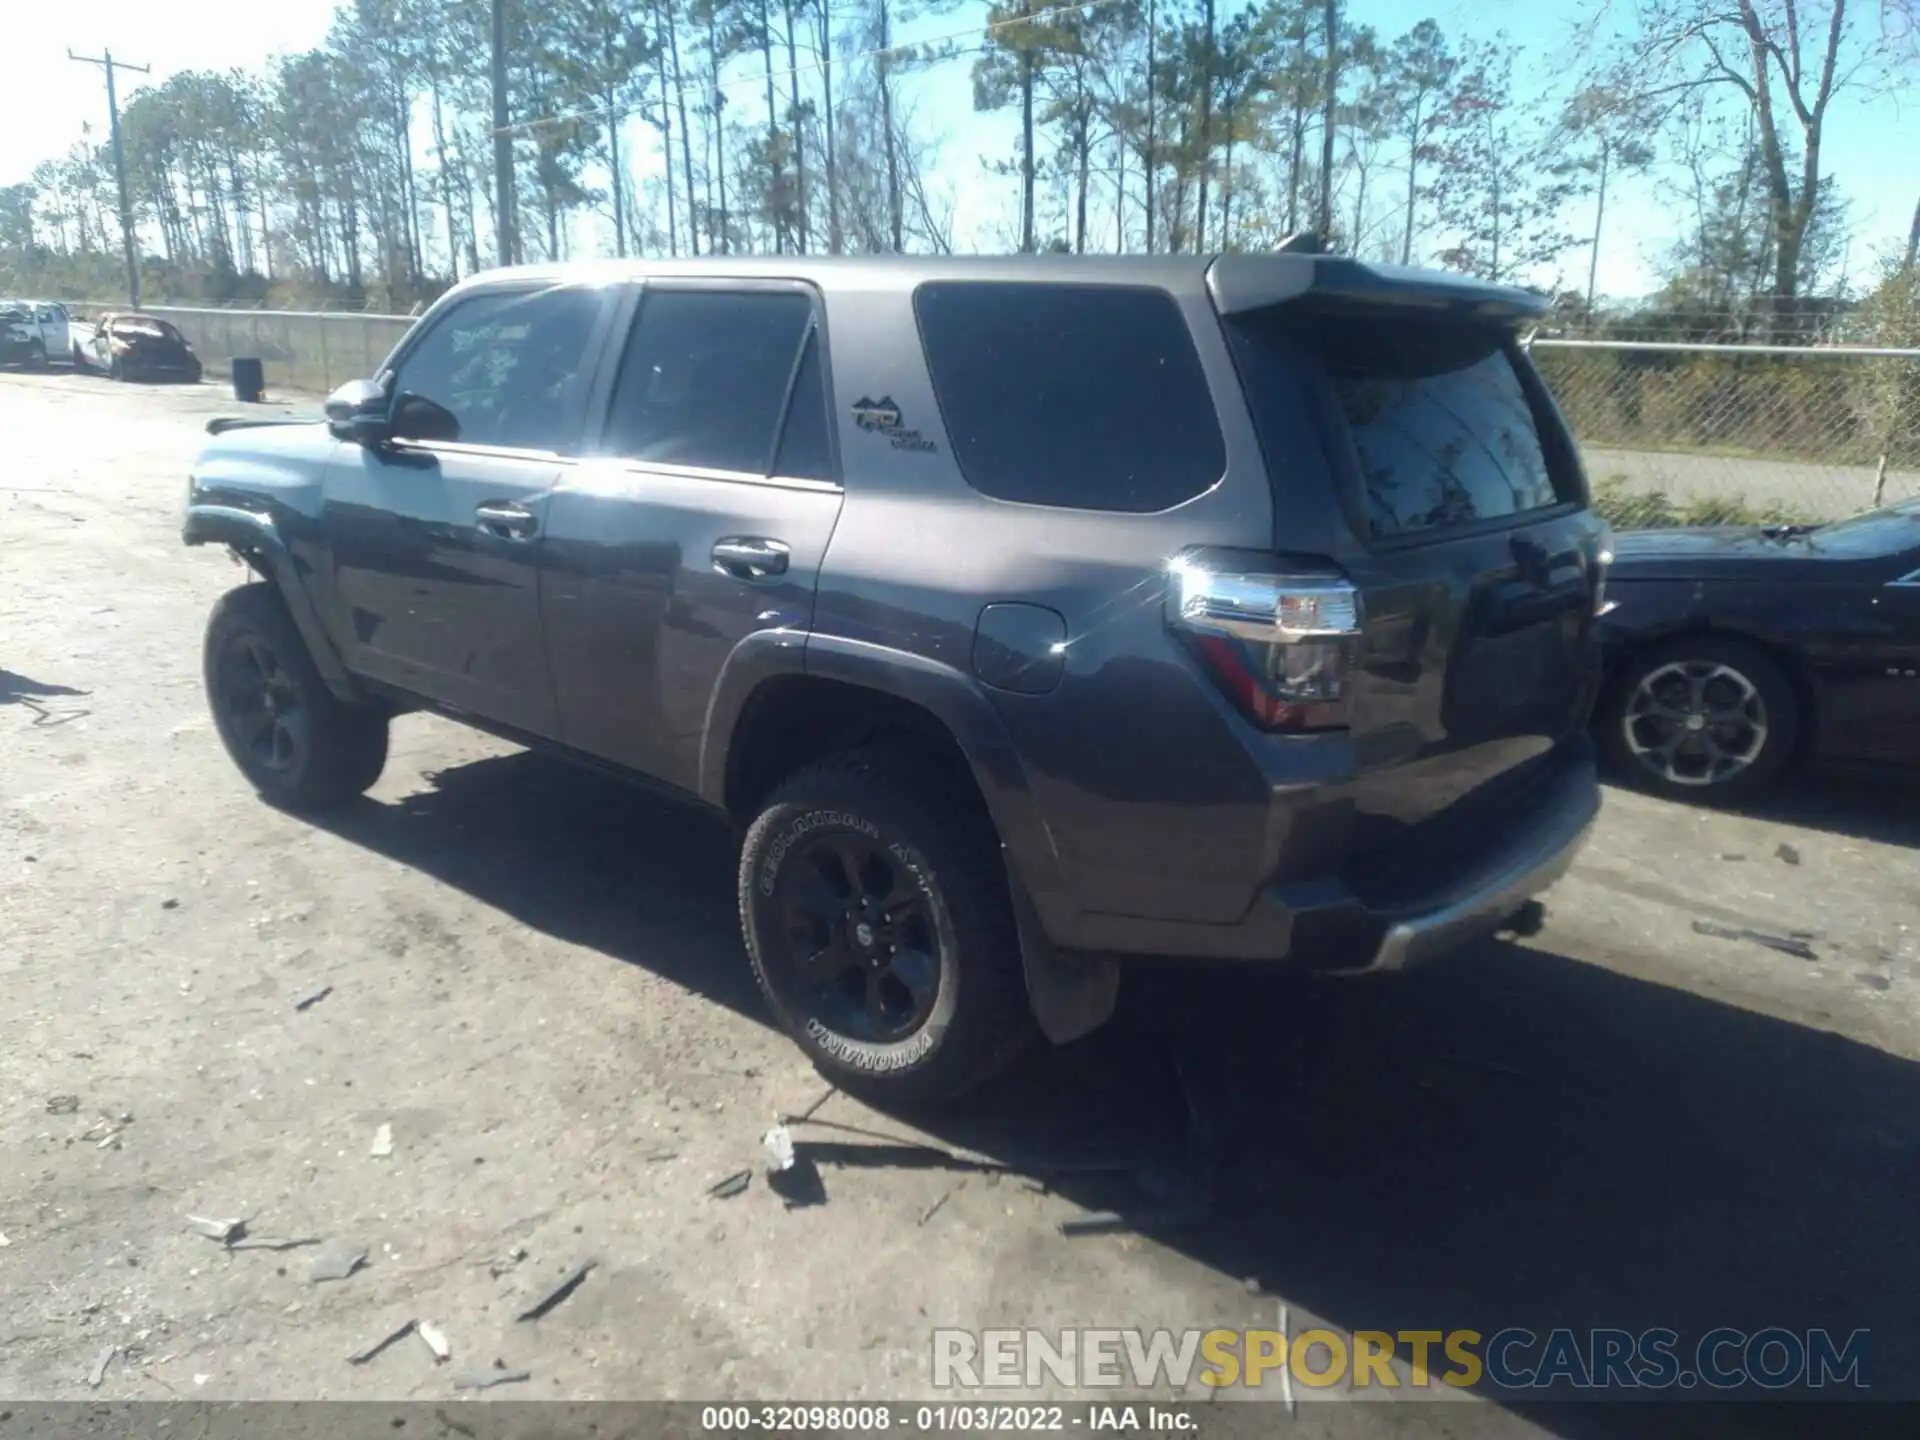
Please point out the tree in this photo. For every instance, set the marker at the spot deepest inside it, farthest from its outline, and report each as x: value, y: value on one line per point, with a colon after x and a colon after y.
x: 1784, y: 60
x: 1005, y: 75
x: 1491, y: 190
x: 1604, y: 132
x: 1422, y: 71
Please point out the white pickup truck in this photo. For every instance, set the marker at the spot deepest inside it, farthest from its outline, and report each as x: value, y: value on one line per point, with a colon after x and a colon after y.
x: 34, y: 331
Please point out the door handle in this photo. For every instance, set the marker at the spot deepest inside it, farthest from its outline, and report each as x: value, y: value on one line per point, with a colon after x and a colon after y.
x: 507, y: 521
x: 750, y: 557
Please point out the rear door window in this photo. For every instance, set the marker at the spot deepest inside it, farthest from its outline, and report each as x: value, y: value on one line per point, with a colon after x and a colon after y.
x: 1443, y: 426
x: 707, y: 379
x: 1086, y: 397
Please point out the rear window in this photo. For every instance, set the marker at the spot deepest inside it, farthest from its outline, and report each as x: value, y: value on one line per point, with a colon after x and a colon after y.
x: 1078, y: 396
x: 1441, y: 423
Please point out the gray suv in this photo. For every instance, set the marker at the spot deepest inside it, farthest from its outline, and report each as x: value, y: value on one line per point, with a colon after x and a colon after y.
x: 1024, y: 614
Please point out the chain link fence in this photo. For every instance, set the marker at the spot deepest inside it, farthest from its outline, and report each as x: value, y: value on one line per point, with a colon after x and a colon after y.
x: 1727, y: 431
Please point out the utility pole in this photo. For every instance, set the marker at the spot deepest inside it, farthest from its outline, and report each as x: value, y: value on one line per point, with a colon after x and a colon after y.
x: 107, y: 63
x: 503, y: 239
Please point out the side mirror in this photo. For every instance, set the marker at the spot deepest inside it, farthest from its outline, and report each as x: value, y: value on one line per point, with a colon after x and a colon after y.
x: 357, y: 411
x: 415, y: 417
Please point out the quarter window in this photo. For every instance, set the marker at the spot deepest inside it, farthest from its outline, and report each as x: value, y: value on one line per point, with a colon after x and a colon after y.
x: 1088, y: 397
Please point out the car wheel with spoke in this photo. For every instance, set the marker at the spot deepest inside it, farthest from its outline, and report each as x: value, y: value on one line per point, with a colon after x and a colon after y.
x: 1701, y: 718
x: 882, y: 936
x: 298, y: 744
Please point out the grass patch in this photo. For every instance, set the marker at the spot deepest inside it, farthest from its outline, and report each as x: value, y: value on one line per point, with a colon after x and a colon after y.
x: 1627, y: 509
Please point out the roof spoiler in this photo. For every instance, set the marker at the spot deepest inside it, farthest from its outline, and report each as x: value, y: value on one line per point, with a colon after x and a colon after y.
x: 1239, y: 283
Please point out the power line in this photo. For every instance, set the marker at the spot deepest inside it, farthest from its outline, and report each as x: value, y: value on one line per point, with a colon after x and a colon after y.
x: 882, y: 52
x: 106, y: 62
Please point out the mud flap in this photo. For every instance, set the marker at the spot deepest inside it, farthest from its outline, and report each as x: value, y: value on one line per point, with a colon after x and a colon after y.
x: 1071, y: 994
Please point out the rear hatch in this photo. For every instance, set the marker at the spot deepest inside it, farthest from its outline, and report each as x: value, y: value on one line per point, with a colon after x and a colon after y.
x: 1457, y: 515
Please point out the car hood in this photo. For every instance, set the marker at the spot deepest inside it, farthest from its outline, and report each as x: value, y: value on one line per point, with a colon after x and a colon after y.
x: 1711, y: 552
x: 254, y: 463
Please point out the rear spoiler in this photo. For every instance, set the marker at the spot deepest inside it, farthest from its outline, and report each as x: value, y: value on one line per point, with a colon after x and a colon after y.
x: 1239, y: 283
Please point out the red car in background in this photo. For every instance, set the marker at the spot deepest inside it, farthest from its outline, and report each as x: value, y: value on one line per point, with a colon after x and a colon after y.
x: 130, y: 346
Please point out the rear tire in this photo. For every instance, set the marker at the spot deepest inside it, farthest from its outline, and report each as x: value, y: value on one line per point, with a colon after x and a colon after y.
x: 881, y: 931
x: 298, y: 744
x: 1700, y: 718
x: 36, y: 356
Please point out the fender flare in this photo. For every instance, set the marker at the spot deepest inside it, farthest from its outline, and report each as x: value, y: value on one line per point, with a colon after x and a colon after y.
x: 1071, y: 994
x: 254, y: 537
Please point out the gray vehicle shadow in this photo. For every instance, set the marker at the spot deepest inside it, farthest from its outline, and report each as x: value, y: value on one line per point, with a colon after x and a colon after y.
x: 1509, y: 1138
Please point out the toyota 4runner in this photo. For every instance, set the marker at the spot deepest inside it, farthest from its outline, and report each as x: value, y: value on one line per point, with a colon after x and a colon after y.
x: 1024, y: 614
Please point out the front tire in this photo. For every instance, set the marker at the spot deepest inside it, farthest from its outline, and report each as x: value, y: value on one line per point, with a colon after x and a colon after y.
x: 299, y: 745
x: 1701, y: 717
x: 881, y: 931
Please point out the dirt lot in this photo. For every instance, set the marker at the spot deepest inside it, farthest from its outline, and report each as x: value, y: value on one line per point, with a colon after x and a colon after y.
x: 537, y: 983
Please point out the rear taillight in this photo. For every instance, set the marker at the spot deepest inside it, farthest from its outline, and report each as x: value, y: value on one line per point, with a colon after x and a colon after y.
x: 1280, y: 637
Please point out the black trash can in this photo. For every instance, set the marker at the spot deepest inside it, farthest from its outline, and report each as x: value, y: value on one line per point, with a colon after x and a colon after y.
x: 249, y: 381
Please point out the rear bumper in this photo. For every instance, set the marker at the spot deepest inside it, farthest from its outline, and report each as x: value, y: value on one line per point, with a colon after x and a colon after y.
x: 1329, y: 927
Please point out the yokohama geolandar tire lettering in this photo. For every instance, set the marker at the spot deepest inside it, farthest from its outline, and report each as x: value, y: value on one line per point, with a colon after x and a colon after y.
x: 866, y: 823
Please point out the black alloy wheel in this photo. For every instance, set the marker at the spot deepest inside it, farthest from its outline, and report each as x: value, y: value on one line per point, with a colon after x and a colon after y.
x: 862, y: 937
x: 260, y: 701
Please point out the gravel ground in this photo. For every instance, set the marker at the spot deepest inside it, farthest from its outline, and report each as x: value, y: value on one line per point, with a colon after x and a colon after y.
x: 537, y: 990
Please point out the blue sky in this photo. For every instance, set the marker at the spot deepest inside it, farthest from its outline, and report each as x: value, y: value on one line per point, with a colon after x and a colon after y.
x: 1873, y: 144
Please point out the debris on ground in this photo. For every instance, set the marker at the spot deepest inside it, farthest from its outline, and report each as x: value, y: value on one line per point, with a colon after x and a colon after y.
x: 659, y: 1157
x: 1794, y: 944
x: 938, y: 1205
x: 559, y: 1292
x: 812, y: 1110
x: 63, y: 1105
x: 734, y: 1184
x: 436, y: 1341
x: 267, y: 1242
x: 313, y: 998
x: 224, y: 1231
x: 1732, y: 855
x: 779, y: 1145
x: 484, y: 1379
x: 506, y: 1262
x: 496, y: 1373
x: 382, y: 1143
x: 100, y: 1363
x: 361, y: 1357
x: 336, y: 1260
x: 1788, y: 854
